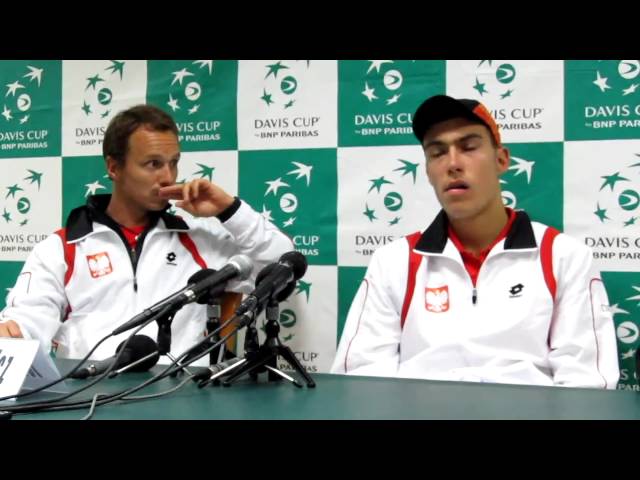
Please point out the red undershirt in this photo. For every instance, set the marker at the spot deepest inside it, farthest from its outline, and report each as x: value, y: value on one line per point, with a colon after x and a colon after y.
x: 131, y: 234
x: 472, y: 262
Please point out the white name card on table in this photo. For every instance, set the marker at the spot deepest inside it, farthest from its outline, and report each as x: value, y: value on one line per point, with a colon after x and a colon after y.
x: 25, y: 366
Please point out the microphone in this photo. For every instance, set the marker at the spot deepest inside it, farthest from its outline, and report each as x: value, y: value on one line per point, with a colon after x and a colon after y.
x: 239, y: 266
x: 139, y: 347
x: 275, y: 281
x: 218, y: 367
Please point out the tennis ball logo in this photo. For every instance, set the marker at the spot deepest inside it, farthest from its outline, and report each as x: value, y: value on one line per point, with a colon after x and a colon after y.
x: 288, y: 318
x: 629, y: 200
x: 393, y: 201
x: 24, y: 205
x: 627, y: 332
x: 288, y: 85
x: 629, y: 69
x: 393, y: 80
x: 506, y: 73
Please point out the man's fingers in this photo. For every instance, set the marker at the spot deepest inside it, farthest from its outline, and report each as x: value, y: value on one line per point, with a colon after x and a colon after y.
x: 184, y: 191
x: 173, y: 192
x: 196, y: 188
x: 10, y: 329
x: 14, y: 329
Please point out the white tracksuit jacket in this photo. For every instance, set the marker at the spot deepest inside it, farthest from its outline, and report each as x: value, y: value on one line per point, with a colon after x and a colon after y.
x: 514, y: 332
x: 102, y: 291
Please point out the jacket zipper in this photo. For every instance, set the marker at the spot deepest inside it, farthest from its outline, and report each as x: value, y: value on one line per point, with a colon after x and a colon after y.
x: 132, y: 257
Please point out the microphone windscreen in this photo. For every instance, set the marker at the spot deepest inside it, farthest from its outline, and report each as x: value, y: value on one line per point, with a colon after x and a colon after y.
x: 140, y: 346
x: 297, y: 261
x: 288, y: 289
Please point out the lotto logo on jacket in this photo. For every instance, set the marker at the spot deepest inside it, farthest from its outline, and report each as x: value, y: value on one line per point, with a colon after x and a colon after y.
x: 99, y: 264
x: 437, y: 299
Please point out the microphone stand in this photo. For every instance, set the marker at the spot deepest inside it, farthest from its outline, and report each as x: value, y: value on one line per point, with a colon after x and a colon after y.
x: 164, y: 336
x: 251, y: 346
x: 265, y: 356
x: 214, y: 310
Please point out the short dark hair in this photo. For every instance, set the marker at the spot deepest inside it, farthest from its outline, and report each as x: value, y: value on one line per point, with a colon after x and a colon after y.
x: 122, y: 126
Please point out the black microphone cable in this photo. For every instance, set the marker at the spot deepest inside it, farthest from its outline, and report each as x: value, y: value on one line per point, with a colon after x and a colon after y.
x: 49, y: 406
x: 36, y: 406
x: 44, y: 387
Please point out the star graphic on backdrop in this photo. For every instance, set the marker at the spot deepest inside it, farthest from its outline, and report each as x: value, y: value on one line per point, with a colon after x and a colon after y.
x: 6, y: 113
x: 12, y: 191
x: 304, y: 287
x: 601, y: 82
x: 205, y: 171
x: 480, y: 87
x: 409, y: 167
x: 173, y: 103
x: 368, y: 92
x: 274, y: 185
x: 274, y: 69
x: 92, y: 188
x: 116, y: 66
x: 34, y: 74
x: 13, y: 87
x: 302, y: 171
x: 377, y: 183
x: 376, y: 64
x: 611, y: 180
x: 601, y: 213
x: 205, y: 63
x: 93, y: 81
x: 34, y: 177
x: 636, y: 297
x: 393, y: 99
x: 266, y: 97
x: 266, y: 214
x: 370, y: 214
x: 523, y: 166
x: 180, y: 74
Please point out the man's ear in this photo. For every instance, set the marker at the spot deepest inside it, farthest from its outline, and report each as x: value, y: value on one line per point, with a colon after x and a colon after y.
x: 113, y: 168
x: 503, y: 159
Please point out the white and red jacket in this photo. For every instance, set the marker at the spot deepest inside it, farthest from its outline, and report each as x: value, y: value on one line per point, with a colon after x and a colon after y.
x: 80, y: 283
x: 539, y: 313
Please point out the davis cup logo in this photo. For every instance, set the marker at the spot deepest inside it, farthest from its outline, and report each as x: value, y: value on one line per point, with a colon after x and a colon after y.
x: 619, y: 77
x: 281, y: 195
x: 17, y: 99
x: 98, y: 92
x: 495, y: 79
x: 18, y: 200
x: 520, y: 166
x: 186, y: 89
x: 383, y: 82
x: 383, y: 202
x: 282, y: 83
x: 618, y: 198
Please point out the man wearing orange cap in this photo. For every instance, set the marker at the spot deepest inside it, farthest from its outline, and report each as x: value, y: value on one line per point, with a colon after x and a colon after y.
x: 484, y: 294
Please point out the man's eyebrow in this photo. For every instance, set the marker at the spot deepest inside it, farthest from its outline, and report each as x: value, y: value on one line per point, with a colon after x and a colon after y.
x: 469, y: 136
